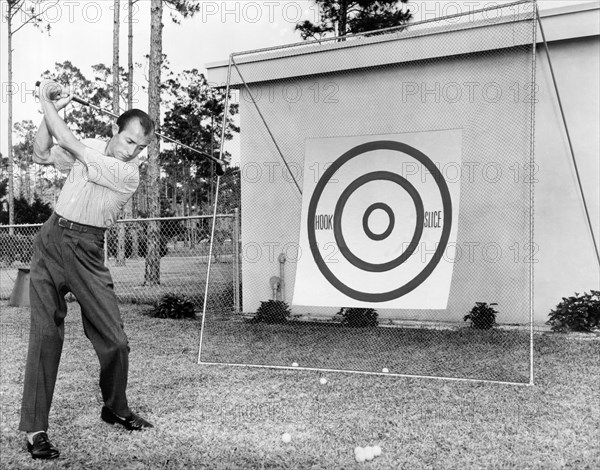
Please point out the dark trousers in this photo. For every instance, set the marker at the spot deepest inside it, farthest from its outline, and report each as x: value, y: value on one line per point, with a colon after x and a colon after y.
x: 69, y: 260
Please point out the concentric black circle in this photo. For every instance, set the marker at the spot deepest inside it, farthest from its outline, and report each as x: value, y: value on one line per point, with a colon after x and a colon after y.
x: 445, y: 235
x: 339, y: 209
x: 365, y: 222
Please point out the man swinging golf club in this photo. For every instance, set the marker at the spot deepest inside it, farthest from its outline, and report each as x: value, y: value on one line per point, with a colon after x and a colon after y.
x: 68, y: 257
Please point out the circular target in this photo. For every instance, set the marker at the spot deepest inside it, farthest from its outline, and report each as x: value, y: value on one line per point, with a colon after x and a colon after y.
x: 339, y: 209
x: 390, y: 233
x: 392, y: 221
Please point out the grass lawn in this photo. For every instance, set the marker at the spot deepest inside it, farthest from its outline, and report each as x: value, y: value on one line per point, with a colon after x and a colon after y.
x: 225, y: 417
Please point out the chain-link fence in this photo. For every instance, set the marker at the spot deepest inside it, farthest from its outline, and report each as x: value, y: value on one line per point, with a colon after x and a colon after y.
x: 388, y: 178
x: 184, y: 248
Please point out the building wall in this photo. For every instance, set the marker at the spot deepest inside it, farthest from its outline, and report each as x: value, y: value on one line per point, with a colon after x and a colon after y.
x: 375, y: 103
x: 416, y: 96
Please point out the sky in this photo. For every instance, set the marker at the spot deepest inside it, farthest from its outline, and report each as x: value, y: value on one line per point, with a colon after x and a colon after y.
x: 81, y: 32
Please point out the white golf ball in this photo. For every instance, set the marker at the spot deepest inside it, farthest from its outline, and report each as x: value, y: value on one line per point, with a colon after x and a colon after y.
x: 359, y: 454
x: 376, y: 451
x: 294, y: 364
x: 285, y: 437
x: 385, y: 370
x: 323, y: 380
x: 368, y: 452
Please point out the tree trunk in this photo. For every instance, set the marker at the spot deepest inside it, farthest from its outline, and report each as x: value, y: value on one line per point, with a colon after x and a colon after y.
x: 183, y: 189
x: 130, y: 57
x: 212, y: 152
x: 27, y: 179
x: 133, y: 202
x: 121, y: 232
x: 115, y: 64
x: 11, y: 188
x: 342, y: 24
x: 174, y: 194
x: 152, y: 274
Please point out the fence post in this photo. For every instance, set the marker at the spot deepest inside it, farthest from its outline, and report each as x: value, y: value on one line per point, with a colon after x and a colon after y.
x: 236, y: 261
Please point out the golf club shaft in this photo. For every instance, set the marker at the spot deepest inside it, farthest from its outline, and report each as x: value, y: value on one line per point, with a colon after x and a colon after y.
x: 98, y: 108
x: 220, y: 163
x: 220, y: 170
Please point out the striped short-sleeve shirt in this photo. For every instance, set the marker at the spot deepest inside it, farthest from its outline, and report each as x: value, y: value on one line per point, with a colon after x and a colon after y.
x: 94, y: 193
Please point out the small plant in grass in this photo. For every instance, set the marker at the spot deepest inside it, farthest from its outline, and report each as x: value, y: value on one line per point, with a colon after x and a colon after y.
x: 272, y: 311
x: 482, y: 316
x: 358, y: 317
x: 577, y: 313
x: 174, y: 306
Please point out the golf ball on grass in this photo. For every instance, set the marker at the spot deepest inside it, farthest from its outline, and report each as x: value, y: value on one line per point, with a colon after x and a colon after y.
x: 285, y: 437
x: 294, y: 364
x: 323, y: 380
x: 366, y: 453
x: 359, y: 454
x: 385, y: 370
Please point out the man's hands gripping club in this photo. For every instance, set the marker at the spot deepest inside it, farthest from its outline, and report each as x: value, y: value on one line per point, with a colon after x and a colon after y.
x: 53, y: 97
x: 55, y: 93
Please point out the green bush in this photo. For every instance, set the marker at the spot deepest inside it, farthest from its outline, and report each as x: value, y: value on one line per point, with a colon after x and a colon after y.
x: 358, y: 317
x: 173, y: 306
x: 576, y: 313
x: 35, y: 213
x: 482, y: 316
x: 272, y: 311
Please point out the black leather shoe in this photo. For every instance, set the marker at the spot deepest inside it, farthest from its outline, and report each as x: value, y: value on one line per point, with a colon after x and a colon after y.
x: 132, y: 422
x: 42, y: 448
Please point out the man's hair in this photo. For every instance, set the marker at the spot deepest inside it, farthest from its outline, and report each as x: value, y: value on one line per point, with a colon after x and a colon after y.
x: 145, y: 121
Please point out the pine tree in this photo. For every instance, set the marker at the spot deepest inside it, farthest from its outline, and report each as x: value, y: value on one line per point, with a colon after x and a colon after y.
x: 342, y: 17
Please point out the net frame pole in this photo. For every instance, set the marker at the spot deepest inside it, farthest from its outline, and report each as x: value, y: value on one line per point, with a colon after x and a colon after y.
x: 214, y: 217
x: 532, y: 196
x: 371, y: 373
x: 265, y: 123
x: 264, y: 366
x: 237, y: 308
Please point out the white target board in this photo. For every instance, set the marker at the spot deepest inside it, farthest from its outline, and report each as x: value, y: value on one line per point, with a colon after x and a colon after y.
x: 379, y: 220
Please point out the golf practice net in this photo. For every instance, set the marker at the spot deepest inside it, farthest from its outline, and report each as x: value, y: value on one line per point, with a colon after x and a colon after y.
x: 387, y: 191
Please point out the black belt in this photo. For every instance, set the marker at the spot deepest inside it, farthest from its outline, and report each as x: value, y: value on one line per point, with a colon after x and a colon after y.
x: 68, y: 224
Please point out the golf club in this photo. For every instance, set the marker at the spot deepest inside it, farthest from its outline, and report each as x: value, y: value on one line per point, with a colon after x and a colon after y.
x: 220, y: 164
